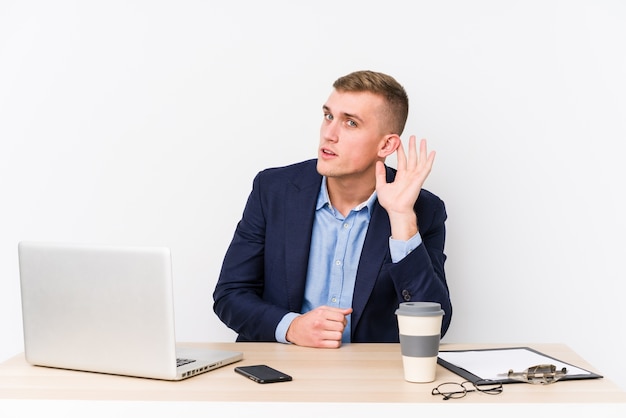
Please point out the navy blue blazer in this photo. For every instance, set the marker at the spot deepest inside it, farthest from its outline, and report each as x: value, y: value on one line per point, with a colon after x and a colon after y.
x: 264, y: 269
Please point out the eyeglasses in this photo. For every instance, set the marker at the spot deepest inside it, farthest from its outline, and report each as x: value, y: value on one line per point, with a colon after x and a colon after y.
x: 452, y: 390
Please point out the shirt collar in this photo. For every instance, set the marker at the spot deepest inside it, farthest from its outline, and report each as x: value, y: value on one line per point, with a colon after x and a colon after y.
x: 323, y: 200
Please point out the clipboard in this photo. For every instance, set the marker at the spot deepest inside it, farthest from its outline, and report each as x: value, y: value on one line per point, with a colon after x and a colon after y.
x: 494, y: 363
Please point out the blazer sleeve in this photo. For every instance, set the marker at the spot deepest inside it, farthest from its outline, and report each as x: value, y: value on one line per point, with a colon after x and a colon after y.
x: 421, y: 275
x: 239, y: 293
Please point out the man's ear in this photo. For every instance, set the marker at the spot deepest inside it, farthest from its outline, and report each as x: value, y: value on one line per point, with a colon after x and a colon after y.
x: 389, y: 145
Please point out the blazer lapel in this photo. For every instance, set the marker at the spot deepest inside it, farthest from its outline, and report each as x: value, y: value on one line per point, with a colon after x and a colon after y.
x: 300, y: 199
x: 375, y: 251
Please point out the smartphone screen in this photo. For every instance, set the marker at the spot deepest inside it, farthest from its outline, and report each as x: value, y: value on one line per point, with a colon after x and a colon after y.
x: 263, y: 374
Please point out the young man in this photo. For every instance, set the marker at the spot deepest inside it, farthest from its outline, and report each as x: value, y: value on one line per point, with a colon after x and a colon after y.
x: 327, y: 248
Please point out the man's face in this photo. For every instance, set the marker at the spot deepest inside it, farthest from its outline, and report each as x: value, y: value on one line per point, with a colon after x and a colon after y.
x: 351, y: 135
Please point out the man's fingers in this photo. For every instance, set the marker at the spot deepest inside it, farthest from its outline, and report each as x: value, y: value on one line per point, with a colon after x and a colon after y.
x: 401, y: 157
x: 425, y: 157
x: 413, y: 157
x: 337, y: 314
x: 381, y: 174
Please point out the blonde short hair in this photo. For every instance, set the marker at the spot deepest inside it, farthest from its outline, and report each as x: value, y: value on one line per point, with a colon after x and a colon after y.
x: 381, y: 84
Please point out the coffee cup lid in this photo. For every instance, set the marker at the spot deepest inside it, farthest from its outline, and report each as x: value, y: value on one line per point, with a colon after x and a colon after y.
x: 420, y: 309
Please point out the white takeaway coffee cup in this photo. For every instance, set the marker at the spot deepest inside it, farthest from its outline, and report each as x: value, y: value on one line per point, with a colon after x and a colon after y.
x: 419, y: 324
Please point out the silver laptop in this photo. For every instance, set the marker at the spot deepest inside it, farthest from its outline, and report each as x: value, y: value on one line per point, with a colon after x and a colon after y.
x: 105, y: 309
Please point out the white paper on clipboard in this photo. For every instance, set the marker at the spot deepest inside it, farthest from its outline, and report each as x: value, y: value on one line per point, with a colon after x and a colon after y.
x: 494, y: 364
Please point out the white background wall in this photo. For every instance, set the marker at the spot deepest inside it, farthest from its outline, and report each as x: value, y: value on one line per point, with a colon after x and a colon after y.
x: 144, y: 122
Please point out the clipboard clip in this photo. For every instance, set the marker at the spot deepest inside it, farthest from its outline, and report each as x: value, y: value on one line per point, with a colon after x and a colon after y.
x: 542, y: 374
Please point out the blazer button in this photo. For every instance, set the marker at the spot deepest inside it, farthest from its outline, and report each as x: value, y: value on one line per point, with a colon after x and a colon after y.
x: 406, y: 295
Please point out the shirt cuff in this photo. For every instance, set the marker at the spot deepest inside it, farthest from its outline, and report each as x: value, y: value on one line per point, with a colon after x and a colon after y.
x: 283, y: 326
x: 400, y: 249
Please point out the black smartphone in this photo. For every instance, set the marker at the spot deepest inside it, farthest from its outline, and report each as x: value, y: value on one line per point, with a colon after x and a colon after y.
x: 263, y: 374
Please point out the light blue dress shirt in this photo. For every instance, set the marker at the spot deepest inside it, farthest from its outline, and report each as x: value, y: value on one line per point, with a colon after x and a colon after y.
x: 336, y: 244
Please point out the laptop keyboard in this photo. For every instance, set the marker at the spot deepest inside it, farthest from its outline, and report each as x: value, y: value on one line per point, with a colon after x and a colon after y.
x: 183, y: 361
